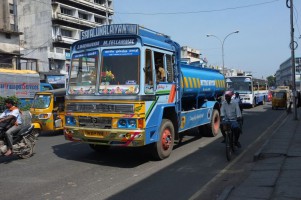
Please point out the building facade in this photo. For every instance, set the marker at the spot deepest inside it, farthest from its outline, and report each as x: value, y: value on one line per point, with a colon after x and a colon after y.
x: 284, y: 75
x: 190, y: 55
x: 50, y: 27
x: 9, y: 35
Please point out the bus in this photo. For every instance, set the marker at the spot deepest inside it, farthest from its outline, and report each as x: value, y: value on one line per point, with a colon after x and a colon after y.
x: 253, y: 91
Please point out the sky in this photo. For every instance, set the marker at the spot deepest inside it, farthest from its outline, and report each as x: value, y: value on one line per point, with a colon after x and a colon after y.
x: 261, y: 45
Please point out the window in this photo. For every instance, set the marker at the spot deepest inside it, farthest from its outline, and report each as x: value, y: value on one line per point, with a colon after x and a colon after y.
x: 66, y: 33
x: 98, y: 20
x: 99, y: 1
x: 84, y: 72
x: 148, y: 69
x: 83, y: 16
x: 12, y: 27
x: 169, y: 66
x: 8, y: 36
x: 66, y: 11
x: 11, y: 8
x: 160, y: 67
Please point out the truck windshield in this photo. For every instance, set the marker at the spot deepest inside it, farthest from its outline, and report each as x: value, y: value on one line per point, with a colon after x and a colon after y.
x: 83, y: 73
x: 119, y: 71
x: 41, y: 101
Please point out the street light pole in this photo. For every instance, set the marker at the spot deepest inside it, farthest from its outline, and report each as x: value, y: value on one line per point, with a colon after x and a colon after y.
x: 222, y: 43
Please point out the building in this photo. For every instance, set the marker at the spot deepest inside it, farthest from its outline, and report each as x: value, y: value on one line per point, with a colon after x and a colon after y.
x: 50, y: 27
x: 284, y: 75
x: 190, y: 55
x: 9, y: 35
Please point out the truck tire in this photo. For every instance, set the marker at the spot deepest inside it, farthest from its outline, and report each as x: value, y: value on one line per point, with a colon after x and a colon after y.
x: 212, y: 129
x: 162, y: 149
x: 215, y: 123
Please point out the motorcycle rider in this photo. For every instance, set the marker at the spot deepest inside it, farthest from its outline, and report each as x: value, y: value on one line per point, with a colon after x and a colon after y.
x: 230, y: 111
x: 10, y: 113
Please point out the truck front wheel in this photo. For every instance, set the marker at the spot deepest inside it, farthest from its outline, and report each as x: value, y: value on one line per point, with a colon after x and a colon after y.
x: 162, y: 149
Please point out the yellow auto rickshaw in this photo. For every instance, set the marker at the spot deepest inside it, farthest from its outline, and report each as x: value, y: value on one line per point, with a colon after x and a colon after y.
x: 47, y: 111
x: 279, y: 99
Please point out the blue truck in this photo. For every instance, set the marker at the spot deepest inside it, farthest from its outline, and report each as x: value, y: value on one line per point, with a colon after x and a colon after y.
x: 129, y: 88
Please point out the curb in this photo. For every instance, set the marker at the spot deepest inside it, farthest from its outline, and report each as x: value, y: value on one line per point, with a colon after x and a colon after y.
x: 226, y: 192
x: 257, y: 155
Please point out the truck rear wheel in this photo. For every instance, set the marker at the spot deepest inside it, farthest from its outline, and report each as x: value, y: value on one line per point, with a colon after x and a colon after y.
x: 162, y: 149
x: 212, y: 129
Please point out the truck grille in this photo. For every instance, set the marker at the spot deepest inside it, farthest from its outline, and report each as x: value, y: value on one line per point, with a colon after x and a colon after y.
x: 95, y: 122
x: 100, y: 108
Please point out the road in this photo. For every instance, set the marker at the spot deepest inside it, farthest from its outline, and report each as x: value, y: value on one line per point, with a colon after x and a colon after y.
x: 196, y: 169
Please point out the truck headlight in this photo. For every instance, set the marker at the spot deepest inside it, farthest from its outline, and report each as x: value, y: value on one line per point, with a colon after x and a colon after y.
x: 127, y: 123
x: 70, y: 121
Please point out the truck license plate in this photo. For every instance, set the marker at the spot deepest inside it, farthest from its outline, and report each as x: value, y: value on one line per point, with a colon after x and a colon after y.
x: 95, y: 134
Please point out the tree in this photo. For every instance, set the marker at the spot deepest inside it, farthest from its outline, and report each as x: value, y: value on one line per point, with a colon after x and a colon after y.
x: 271, y: 80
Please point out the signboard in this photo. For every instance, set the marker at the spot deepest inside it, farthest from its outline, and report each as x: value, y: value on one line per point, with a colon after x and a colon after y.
x: 56, y: 79
x: 19, y: 85
x: 106, y: 42
x: 112, y: 29
x: 121, y: 52
x: 86, y: 54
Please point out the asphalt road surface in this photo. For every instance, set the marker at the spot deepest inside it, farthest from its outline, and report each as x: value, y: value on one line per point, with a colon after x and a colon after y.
x: 196, y: 169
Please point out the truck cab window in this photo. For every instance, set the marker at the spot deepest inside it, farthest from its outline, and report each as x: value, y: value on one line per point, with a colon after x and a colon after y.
x: 160, y: 67
x: 148, y: 68
x: 169, y: 66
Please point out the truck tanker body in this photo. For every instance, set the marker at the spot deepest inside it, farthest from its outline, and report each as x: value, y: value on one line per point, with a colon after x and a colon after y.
x: 203, y: 82
x: 129, y: 88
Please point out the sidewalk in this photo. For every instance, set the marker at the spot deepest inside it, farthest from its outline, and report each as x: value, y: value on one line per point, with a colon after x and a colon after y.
x: 277, y: 172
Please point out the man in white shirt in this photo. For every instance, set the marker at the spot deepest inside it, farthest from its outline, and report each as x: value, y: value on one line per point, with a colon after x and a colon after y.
x: 230, y: 111
x: 12, y: 113
x: 238, y: 100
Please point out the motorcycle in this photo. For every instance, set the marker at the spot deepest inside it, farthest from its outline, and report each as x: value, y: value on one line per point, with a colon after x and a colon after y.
x: 23, y: 141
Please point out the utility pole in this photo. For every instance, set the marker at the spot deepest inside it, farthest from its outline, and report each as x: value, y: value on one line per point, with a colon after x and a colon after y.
x: 292, y: 46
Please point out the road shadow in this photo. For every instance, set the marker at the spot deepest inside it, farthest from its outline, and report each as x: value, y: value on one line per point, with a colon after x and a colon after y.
x: 124, y: 157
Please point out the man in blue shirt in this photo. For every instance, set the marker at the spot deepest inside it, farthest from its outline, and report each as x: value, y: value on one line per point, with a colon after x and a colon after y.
x: 11, y: 113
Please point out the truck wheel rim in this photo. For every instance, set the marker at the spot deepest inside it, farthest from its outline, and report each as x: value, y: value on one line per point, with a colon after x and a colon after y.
x: 166, y: 139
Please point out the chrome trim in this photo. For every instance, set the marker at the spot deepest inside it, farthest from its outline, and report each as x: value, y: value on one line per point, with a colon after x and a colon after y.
x: 75, y: 128
x: 112, y: 97
x: 92, y: 107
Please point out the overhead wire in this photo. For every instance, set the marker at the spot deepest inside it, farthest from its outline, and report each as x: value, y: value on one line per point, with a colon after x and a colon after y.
x: 199, y: 11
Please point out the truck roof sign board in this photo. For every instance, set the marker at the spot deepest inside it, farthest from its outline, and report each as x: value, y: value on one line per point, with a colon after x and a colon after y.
x: 112, y: 29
